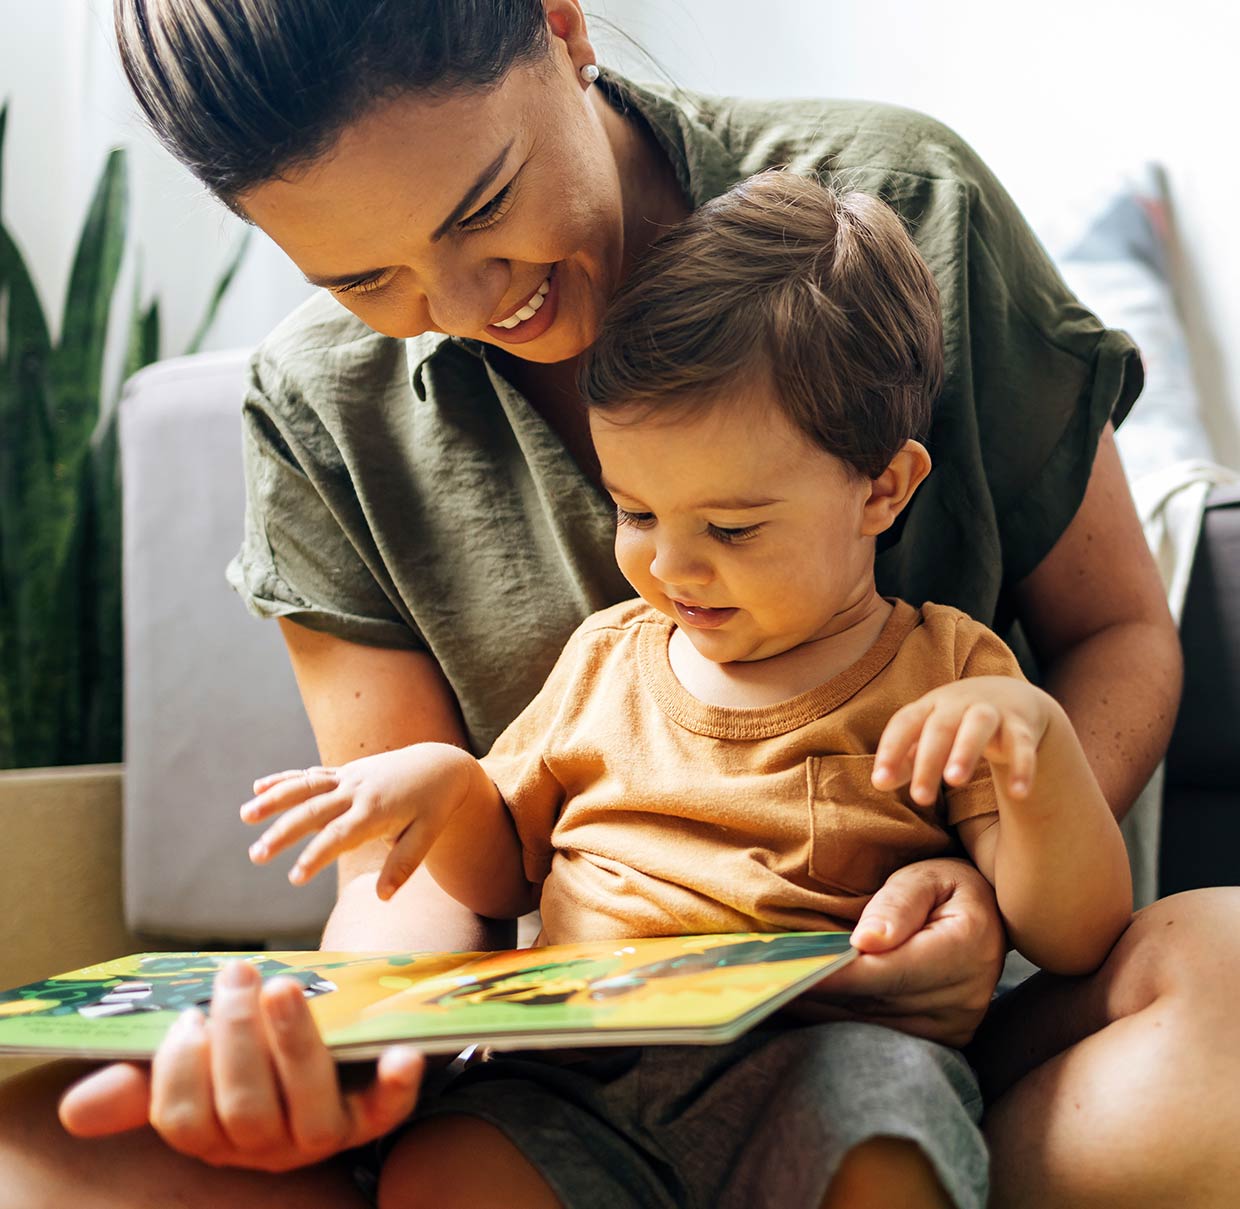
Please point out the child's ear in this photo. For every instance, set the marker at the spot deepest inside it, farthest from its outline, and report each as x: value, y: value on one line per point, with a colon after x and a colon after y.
x: 892, y: 490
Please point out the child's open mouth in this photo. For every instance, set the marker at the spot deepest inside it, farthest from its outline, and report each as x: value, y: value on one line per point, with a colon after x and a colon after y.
x: 700, y: 616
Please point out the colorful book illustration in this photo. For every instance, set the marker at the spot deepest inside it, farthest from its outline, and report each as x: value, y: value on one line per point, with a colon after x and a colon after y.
x: 665, y: 990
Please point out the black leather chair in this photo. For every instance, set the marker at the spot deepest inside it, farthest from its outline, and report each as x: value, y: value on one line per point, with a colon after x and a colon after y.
x: 1201, y: 804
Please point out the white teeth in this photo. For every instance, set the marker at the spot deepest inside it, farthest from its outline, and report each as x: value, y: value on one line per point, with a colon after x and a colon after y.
x: 530, y: 308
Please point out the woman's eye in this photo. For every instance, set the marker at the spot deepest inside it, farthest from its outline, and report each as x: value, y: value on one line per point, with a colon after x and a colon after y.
x: 642, y: 520
x: 489, y: 214
x: 733, y: 536
x: 364, y: 285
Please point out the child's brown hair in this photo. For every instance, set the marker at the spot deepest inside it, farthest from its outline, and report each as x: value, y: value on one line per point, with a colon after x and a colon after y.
x: 784, y: 280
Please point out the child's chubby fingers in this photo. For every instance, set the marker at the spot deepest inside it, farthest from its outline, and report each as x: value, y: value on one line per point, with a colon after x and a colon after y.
x: 299, y: 822
x: 894, y: 756
x: 1018, y: 757
x: 280, y: 790
x: 349, y: 829
x: 407, y: 853
x: 933, y: 747
x: 977, y: 727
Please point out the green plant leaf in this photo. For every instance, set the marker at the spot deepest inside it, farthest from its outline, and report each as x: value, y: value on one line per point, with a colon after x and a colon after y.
x: 78, y: 365
x: 221, y: 288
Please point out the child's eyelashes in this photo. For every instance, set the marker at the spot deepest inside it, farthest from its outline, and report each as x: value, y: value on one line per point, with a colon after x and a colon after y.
x: 721, y: 533
x: 640, y: 520
x: 733, y: 536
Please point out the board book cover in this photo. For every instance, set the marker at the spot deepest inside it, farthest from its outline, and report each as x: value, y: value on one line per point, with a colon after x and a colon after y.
x: 664, y: 990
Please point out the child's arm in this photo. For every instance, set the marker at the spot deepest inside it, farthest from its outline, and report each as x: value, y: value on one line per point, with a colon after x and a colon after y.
x: 1054, y: 853
x: 431, y: 801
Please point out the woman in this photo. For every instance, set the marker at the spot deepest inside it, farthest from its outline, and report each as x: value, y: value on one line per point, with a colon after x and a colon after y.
x: 423, y: 520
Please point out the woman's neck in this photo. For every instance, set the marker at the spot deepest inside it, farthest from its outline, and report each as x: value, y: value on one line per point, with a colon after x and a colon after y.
x: 651, y: 194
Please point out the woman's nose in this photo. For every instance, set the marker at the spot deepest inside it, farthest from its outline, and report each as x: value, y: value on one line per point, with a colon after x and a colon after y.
x: 461, y: 299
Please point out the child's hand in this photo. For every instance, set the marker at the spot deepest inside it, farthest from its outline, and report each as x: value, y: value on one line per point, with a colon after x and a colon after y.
x: 405, y: 797
x: 941, y: 736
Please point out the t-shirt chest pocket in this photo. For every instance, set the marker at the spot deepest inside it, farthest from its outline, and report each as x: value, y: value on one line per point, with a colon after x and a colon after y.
x: 860, y: 835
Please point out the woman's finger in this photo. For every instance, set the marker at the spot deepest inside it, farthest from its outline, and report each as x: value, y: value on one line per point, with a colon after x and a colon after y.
x: 182, y: 1108
x: 318, y: 1118
x: 247, y: 1103
x: 301, y: 821
x: 111, y: 1100
x: 977, y: 727
x: 390, y: 1098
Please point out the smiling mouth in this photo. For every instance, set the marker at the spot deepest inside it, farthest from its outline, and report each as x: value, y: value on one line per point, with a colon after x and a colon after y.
x: 701, y: 617
x: 528, y: 309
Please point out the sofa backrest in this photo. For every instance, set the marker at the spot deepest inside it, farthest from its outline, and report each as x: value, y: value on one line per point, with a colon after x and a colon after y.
x: 210, y: 700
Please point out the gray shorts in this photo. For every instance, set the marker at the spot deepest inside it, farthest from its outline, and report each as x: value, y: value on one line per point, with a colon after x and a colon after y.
x: 763, y: 1121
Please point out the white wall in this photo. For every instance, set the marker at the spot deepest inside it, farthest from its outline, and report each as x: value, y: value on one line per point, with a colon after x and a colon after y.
x: 68, y: 104
x: 1056, y: 96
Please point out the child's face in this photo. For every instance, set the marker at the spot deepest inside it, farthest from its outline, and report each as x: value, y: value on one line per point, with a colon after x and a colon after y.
x: 751, y: 538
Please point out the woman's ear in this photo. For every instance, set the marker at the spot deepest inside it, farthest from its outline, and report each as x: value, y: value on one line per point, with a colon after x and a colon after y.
x: 891, y: 491
x: 567, y: 22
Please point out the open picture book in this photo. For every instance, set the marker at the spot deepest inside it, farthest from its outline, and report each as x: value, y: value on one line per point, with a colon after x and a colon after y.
x: 666, y: 990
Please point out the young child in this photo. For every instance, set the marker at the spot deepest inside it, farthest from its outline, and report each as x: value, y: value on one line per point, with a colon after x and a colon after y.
x: 759, y: 740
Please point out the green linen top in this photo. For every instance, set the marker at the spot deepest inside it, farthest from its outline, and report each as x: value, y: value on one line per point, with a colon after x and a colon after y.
x: 401, y: 493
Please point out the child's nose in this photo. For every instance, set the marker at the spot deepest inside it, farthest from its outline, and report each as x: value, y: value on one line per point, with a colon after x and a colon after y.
x: 675, y: 564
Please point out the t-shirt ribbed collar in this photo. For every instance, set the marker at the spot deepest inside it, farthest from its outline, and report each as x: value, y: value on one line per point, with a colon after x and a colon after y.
x: 764, y: 722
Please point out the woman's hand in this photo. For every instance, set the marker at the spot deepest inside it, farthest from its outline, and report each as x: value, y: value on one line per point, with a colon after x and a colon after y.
x: 931, y: 951
x: 252, y: 1086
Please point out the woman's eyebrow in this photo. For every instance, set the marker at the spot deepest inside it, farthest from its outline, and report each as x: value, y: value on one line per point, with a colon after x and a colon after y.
x: 485, y: 177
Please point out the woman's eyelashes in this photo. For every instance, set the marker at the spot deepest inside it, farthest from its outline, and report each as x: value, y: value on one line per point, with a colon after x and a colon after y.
x: 489, y: 214
x: 480, y: 220
x: 721, y: 533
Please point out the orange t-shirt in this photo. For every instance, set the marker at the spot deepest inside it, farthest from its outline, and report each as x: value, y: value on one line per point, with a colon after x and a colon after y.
x: 643, y: 811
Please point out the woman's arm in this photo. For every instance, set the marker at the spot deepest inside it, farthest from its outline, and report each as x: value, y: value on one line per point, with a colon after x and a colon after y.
x: 1096, y: 614
x: 362, y: 700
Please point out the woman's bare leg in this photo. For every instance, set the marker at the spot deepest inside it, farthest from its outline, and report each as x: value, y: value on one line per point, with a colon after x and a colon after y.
x: 1137, y: 1098
x: 43, y: 1167
x: 886, y: 1172
x: 460, y: 1162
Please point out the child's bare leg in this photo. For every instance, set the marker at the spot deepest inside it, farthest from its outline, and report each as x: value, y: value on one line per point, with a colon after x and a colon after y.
x: 884, y: 1172
x: 460, y: 1162
x: 43, y: 1167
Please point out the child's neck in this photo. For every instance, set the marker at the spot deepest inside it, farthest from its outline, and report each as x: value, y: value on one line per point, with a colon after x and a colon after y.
x: 757, y: 683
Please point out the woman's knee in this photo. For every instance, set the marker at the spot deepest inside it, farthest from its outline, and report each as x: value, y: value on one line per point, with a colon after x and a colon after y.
x: 1184, y: 948
x: 460, y: 1162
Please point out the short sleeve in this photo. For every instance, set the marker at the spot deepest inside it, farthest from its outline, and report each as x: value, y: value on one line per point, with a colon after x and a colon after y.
x: 1045, y: 374
x: 979, y: 652
x: 518, y: 760
x: 296, y: 560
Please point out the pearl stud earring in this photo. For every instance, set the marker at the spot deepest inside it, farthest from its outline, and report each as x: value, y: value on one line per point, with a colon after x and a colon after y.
x: 589, y: 73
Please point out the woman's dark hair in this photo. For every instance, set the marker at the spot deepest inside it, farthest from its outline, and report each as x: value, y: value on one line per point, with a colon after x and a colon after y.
x: 781, y: 280
x: 242, y: 91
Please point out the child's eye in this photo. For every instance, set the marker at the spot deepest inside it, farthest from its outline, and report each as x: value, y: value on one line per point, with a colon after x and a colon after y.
x: 643, y: 520
x: 489, y: 214
x: 733, y: 536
